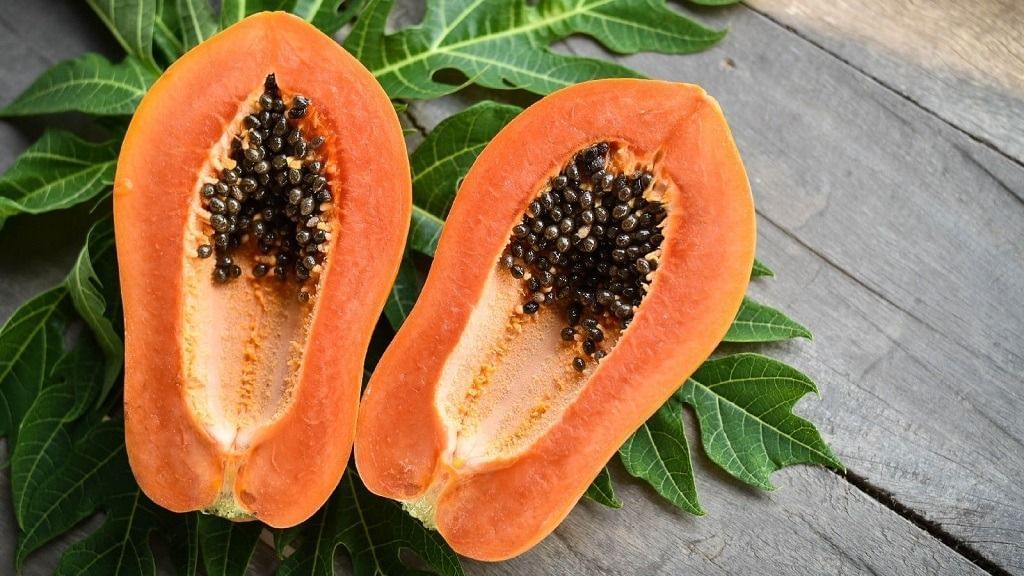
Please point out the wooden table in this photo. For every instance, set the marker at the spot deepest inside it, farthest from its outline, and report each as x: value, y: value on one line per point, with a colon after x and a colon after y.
x: 885, y: 144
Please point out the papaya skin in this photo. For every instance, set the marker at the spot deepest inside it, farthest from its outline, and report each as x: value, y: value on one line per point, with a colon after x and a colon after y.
x: 500, y: 506
x: 290, y: 465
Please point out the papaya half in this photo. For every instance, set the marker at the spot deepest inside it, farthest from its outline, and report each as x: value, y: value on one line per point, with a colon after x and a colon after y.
x: 261, y: 205
x: 596, y: 253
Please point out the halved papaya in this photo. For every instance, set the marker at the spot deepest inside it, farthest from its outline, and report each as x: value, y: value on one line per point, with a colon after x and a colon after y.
x: 596, y: 253
x: 261, y: 206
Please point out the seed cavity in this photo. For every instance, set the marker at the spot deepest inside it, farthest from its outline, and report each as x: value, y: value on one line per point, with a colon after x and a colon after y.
x: 586, y: 247
x: 271, y: 195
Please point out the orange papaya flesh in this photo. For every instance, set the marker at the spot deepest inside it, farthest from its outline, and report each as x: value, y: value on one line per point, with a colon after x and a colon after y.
x: 485, y: 416
x: 261, y: 205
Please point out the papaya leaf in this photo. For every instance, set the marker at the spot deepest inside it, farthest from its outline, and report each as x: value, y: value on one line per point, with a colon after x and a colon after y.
x: 44, y: 439
x: 30, y: 342
x: 121, y: 546
x: 761, y: 270
x: 602, y: 490
x: 227, y: 546
x: 90, y: 84
x: 232, y: 11
x: 131, y: 23
x: 374, y: 531
x: 756, y: 322
x: 95, y: 477
x: 58, y: 171
x: 403, y: 293
x: 327, y: 15
x: 167, y: 30
x: 67, y: 462
x: 284, y: 537
x: 504, y: 44
x: 97, y: 299
x: 379, y: 341
x: 659, y: 454
x: 185, y: 546
x: 445, y: 155
x: 744, y: 405
x: 424, y: 231
x: 95, y: 464
x: 197, y: 21
x: 440, y: 162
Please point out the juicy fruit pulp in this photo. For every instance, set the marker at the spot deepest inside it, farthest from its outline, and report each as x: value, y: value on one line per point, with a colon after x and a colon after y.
x: 238, y: 246
x: 241, y: 375
x: 497, y: 430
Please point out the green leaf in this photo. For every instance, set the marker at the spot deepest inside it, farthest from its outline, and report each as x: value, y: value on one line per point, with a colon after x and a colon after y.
x: 232, y: 11
x: 197, y: 21
x: 761, y: 270
x: 185, y: 547
x: 504, y: 44
x: 424, y: 231
x: 659, y: 454
x: 227, y: 546
x: 327, y: 15
x: 131, y: 23
x: 166, y: 26
x: 440, y: 162
x: 30, y: 342
x: 756, y: 322
x: 121, y: 545
x: 90, y: 84
x: 58, y: 171
x: 744, y: 404
x: 284, y: 537
x: 98, y: 300
x: 96, y: 465
x: 602, y: 490
x: 95, y: 477
x: 44, y: 441
x: 379, y: 341
x: 374, y: 531
x: 403, y: 293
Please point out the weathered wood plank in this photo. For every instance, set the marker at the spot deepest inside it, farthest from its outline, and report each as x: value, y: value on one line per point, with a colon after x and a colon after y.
x: 964, y: 61
x: 893, y: 421
x: 27, y: 54
x: 907, y: 239
x: 28, y: 51
x: 895, y: 406
x: 815, y: 523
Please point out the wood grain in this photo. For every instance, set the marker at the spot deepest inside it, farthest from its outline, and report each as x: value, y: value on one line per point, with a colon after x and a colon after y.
x: 815, y: 523
x: 964, y: 61
x: 897, y: 238
x: 905, y: 243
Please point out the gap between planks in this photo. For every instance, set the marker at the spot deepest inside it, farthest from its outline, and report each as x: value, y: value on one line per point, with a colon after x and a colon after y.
x: 861, y: 483
x: 875, y: 79
x: 888, y: 500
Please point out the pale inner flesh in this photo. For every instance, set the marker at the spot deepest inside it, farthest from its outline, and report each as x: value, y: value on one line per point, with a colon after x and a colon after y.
x: 244, y: 339
x: 509, y: 378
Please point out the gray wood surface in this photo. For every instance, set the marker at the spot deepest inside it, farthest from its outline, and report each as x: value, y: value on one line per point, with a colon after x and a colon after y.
x: 963, y: 61
x: 898, y: 238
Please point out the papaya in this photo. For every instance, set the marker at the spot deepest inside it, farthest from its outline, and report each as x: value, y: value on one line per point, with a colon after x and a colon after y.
x: 595, y: 254
x: 261, y: 204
